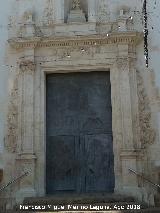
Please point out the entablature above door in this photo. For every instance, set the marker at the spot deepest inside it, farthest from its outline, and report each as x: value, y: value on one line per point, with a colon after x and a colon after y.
x: 132, y: 38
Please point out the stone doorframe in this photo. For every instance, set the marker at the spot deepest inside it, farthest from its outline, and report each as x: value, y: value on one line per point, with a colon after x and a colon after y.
x: 116, y: 54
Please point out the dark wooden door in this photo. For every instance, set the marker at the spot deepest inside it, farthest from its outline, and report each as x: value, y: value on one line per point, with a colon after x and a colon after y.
x: 79, y: 150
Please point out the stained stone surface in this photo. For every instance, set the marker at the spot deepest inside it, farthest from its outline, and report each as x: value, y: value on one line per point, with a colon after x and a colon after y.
x: 36, y: 41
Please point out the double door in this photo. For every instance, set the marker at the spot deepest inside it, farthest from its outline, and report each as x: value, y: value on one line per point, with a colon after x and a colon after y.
x: 79, y: 149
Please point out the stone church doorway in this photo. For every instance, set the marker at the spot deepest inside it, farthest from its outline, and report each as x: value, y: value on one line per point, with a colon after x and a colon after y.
x: 79, y: 147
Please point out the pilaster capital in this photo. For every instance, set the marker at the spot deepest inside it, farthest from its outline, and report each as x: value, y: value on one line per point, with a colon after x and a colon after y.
x: 122, y: 63
x: 27, y: 66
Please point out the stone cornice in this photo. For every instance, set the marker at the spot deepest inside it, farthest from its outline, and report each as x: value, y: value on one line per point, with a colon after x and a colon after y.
x: 61, y: 42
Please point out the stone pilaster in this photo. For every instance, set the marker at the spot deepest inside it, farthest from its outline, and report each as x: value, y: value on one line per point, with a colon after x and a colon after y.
x: 27, y: 69
x: 129, y: 154
x: 116, y: 126
x: 25, y: 159
x: 123, y: 67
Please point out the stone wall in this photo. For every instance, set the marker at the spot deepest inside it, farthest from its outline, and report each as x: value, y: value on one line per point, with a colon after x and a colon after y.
x: 4, y: 71
x: 20, y: 143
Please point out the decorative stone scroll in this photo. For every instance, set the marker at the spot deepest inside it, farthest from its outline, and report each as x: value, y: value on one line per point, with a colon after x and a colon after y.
x: 12, y: 120
x: 147, y: 134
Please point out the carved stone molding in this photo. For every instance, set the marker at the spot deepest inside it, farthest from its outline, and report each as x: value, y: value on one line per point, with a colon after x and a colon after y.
x: 103, y: 12
x: 129, y: 154
x: 48, y: 16
x: 79, y: 41
x: 27, y: 66
x: 26, y: 156
x: 12, y: 21
x: 12, y: 120
x: 28, y: 16
x: 147, y: 134
x: 76, y: 13
x: 76, y: 5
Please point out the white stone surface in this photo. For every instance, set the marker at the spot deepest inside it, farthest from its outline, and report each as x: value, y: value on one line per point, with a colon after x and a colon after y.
x: 51, y: 55
x: 4, y: 68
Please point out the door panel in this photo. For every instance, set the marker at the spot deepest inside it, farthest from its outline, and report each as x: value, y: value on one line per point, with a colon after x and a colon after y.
x: 62, y: 163
x: 99, y: 163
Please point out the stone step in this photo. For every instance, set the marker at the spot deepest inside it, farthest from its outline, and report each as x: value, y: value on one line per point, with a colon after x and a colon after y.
x: 93, y: 199
x: 108, y: 206
x: 81, y: 199
x: 148, y: 210
x: 101, y: 199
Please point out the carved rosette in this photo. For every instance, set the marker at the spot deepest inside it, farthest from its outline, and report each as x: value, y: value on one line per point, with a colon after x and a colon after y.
x: 12, y: 120
x: 147, y: 134
x: 27, y: 66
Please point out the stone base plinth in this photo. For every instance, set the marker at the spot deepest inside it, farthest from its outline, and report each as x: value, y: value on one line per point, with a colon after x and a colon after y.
x: 76, y: 16
x: 24, y: 193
